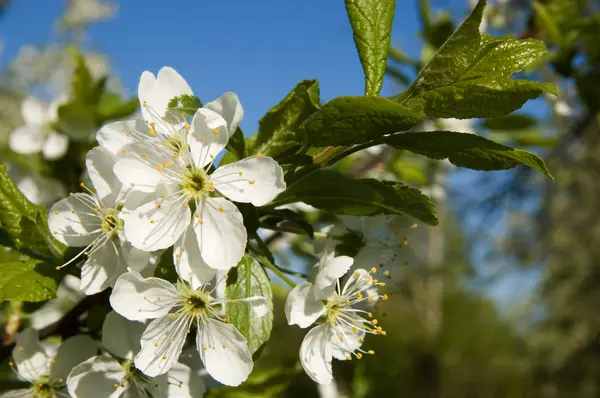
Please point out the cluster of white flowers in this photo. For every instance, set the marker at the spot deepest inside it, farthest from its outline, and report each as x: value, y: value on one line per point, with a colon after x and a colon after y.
x: 153, y: 186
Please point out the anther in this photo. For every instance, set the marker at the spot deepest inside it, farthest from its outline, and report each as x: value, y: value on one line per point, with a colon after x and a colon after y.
x: 373, y: 270
x: 221, y: 209
x: 251, y: 182
x: 144, y: 155
x: 241, y: 173
x: 259, y: 155
x: 123, y: 151
x: 358, y: 355
x: 374, y: 321
x: 371, y: 352
x: 171, y: 342
x: 164, y: 357
x: 385, y: 297
x: 370, y: 315
x: 354, y: 330
x: 57, y: 268
x: 116, y: 385
x: 158, y: 206
x: 151, y: 132
x: 187, y: 126
x: 224, y: 346
x: 11, y: 363
x: 215, y: 131
x: 202, y: 139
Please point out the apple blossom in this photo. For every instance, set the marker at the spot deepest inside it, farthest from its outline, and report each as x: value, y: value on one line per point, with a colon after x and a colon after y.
x: 222, y: 349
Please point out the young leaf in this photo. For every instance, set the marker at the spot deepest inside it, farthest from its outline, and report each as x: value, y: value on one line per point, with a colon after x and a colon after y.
x: 466, y: 150
x: 25, y: 223
x: 354, y: 120
x: 371, y: 22
x: 13, y: 205
x: 277, y: 129
x: 246, y: 280
x: 330, y: 190
x: 469, y: 76
x: 184, y: 103
x: 19, y: 280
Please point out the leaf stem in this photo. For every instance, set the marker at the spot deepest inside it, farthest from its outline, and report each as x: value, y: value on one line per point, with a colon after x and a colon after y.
x: 343, y: 152
x: 276, y: 270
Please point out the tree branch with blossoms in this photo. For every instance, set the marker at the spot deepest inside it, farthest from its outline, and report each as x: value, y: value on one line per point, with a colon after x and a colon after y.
x: 167, y: 221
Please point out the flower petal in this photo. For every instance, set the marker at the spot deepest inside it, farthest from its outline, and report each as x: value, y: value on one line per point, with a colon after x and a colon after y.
x: 157, y: 92
x: 301, y: 306
x: 157, y: 224
x: 138, y: 299
x: 331, y: 271
x: 100, y: 162
x: 114, y: 136
x: 27, y: 139
x: 221, y: 233
x: 72, y: 352
x: 256, y: 180
x: 102, y: 268
x: 224, y: 352
x: 162, y: 343
x: 30, y: 356
x: 96, y: 378
x: 188, y: 262
x: 121, y: 336
x: 187, y: 385
x: 143, y: 166
x: 316, y: 354
x: 33, y: 111
x: 229, y: 107
x: 135, y: 259
x: 72, y: 220
x: 55, y: 146
x: 207, y: 137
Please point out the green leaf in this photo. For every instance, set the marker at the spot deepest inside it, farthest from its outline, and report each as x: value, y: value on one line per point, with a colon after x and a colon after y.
x: 111, y: 107
x: 469, y: 76
x: 546, y: 22
x: 19, y: 280
x: 184, y: 103
x: 277, y: 129
x: 13, y: 205
x: 371, y: 22
x: 77, y: 120
x: 236, y: 144
x: 330, y: 190
x: 250, y: 217
x: 510, y: 122
x: 82, y: 85
x: 467, y: 150
x: 354, y: 120
x: 246, y: 280
x: 288, y: 220
x: 25, y: 223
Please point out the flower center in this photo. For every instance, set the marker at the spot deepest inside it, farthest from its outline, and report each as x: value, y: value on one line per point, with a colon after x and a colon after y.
x: 198, y: 302
x: 44, y: 388
x: 195, y: 183
x: 111, y: 222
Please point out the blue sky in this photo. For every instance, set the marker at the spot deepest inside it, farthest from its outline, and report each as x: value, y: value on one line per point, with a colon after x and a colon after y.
x: 258, y: 49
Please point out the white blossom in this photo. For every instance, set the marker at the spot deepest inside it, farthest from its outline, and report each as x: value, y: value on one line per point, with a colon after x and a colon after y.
x: 341, y: 333
x: 184, y: 208
x: 93, y: 220
x: 45, y: 365
x: 113, y: 374
x: 36, y: 135
x: 222, y: 349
